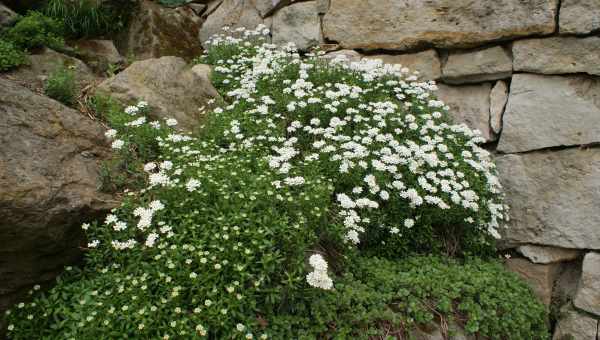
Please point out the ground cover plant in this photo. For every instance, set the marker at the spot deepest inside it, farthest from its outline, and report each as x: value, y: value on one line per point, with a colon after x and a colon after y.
x: 317, y: 200
x: 61, y: 85
x: 89, y: 18
x: 10, y: 56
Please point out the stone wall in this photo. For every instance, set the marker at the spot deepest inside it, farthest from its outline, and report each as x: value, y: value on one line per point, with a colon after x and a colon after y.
x: 525, y: 73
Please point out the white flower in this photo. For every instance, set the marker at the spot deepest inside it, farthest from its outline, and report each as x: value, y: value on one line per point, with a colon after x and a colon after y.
x: 171, y: 122
x: 409, y: 223
x: 93, y: 244
x: 117, y: 144
x: 110, y: 133
x: 132, y: 110
x: 192, y: 185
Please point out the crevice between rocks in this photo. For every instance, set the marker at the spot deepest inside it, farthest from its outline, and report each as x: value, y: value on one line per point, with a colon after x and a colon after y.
x: 595, y: 145
x: 557, y: 17
x: 598, y: 330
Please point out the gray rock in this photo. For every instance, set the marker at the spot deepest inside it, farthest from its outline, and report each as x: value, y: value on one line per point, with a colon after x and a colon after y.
x: 540, y: 277
x: 469, y: 104
x: 575, y: 326
x: 553, y: 197
x: 557, y: 55
x: 579, y: 16
x: 349, y: 55
x: 548, y: 111
x: 7, y: 16
x: 99, y: 54
x: 41, y: 66
x: 566, y: 284
x: 498, y: 99
x: 588, y: 291
x: 50, y: 157
x: 427, y: 63
x: 157, y: 31
x: 267, y: 7
x: 477, y: 66
x: 409, y: 24
x: 231, y: 13
x: 298, y: 23
x: 545, y: 255
x: 168, y: 84
x: 323, y: 6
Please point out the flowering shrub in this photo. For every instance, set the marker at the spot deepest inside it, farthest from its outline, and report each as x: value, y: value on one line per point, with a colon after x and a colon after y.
x: 242, y: 230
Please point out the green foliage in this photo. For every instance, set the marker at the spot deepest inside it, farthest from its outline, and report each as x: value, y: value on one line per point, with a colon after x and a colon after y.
x: 89, y: 18
x: 36, y: 30
x: 61, y: 85
x: 10, y: 56
x: 382, y: 297
x: 173, y: 3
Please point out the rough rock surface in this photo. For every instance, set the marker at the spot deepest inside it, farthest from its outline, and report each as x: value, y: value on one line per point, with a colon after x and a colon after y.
x: 408, y: 24
x: 588, y: 292
x: 267, y: 7
x: 168, y: 84
x: 557, y: 55
x: 7, y: 16
x: 298, y: 23
x: 540, y: 277
x: 50, y: 158
x: 99, y: 54
x: 477, y: 66
x: 41, y: 65
x: 157, y: 31
x: 545, y: 255
x: 350, y: 55
x: 549, y: 111
x: 498, y: 99
x: 469, y: 104
x: 426, y: 62
x: 579, y: 16
x: 231, y: 13
x: 553, y: 197
x: 574, y: 326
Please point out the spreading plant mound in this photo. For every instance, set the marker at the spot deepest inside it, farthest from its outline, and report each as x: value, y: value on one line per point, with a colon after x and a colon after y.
x: 301, y: 208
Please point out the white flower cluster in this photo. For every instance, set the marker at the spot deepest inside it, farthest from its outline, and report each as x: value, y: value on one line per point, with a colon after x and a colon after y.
x: 403, y: 148
x: 319, y: 278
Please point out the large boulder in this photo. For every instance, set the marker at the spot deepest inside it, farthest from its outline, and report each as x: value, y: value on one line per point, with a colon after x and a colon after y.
x: 476, y: 66
x: 588, y: 291
x: 40, y: 66
x: 298, y: 23
x: 579, y: 16
x: 553, y: 197
x: 171, y: 87
x: 409, y: 24
x: 557, y: 55
x: 50, y: 158
x: 427, y: 63
x: 469, y: 104
x: 155, y: 31
x: 232, y: 14
x: 550, y: 111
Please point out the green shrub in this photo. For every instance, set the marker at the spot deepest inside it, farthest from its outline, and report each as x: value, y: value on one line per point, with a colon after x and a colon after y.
x: 393, y: 297
x: 89, y: 18
x: 10, y: 56
x: 61, y: 85
x: 267, y: 223
x: 35, y: 30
